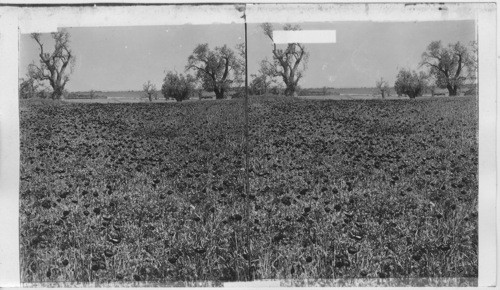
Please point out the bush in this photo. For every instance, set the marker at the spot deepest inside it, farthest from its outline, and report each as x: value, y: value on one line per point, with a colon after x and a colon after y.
x: 44, y: 94
x: 177, y: 86
x: 30, y: 88
x: 410, y: 83
x: 239, y: 93
x: 277, y: 90
x: 471, y: 90
x: 27, y: 89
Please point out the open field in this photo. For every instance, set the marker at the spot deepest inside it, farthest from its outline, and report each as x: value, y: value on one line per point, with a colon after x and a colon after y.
x: 364, y: 188
x: 138, y: 97
x: 131, y: 192
x: 367, y: 97
x: 127, y: 97
x: 116, y: 101
x: 118, y: 97
x: 155, y: 192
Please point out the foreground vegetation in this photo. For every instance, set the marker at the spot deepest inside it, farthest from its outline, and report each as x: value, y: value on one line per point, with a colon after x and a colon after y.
x: 131, y: 192
x: 142, y: 192
x: 364, y: 188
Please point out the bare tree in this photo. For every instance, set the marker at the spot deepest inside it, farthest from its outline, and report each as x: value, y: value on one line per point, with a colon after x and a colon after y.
x: 451, y: 66
x: 289, y: 63
x: 149, y: 90
x: 217, y: 69
x: 383, y: 87
x: 52, y: 66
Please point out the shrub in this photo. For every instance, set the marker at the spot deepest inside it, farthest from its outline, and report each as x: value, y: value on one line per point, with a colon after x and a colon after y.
x: 239, y: 93
x: 27, y: 88
x: 177, y: 86
x: 410, y: 83
x: 471, y: 90
x: 44, y: 94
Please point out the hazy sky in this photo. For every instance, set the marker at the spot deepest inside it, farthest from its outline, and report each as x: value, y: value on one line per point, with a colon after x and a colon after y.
x: 123, y: 58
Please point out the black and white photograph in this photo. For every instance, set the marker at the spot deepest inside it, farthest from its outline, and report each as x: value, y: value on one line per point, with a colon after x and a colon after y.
x: 136, y: 172
x: 367, y: 166
x: 337, y: 145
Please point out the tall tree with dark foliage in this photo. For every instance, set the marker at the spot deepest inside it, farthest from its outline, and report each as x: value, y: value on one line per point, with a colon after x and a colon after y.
x: 217, y: 69
x: 451, y: 66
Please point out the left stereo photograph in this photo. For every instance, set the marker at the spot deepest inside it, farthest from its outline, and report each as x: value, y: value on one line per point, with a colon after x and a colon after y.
x: 132, y: 150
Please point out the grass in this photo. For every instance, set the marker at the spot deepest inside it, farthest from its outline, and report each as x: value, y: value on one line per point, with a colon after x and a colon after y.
x: 364, y: 188
x: 131, y: 192
x: 339, y: 189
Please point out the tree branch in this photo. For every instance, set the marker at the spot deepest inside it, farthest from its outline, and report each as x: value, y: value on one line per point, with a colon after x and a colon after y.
x: 435, y: 66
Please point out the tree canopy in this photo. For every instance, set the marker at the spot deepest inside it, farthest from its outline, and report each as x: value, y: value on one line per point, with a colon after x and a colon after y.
x: 177, y: 86
x: 451, y: 66
x: 410, y: 83
x: 217, y: 69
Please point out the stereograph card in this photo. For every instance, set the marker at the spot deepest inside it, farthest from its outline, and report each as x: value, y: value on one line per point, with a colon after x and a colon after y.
x: 248, y: 145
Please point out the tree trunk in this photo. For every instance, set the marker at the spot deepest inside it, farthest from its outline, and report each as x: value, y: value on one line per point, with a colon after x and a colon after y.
x: 57, y: 93
x: 291, y: 90
x: 452, y: 90
x: 383, y: 95
x: 219, y: 94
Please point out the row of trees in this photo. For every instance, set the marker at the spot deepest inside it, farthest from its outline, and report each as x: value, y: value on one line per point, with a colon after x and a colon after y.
x: 221, y: 69
x: 215, y: 70
x: 452, y: 68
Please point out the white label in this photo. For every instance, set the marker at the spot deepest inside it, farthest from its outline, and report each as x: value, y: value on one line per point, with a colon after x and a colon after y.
x: 305, y: 36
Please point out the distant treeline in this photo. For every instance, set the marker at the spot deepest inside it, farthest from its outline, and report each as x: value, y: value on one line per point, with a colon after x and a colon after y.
x: 92, y: 95
x: 328, y: 91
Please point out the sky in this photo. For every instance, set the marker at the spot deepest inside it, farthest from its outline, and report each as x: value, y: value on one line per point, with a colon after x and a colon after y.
x: 124, y: 58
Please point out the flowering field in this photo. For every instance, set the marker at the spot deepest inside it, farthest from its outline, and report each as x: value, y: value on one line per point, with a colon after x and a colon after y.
x: 155, y: 192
